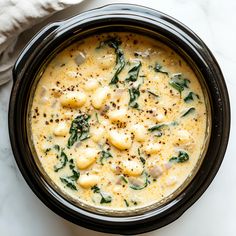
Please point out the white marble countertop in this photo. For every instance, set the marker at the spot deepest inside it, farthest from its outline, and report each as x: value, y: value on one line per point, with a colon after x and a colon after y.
x: 23, y: 214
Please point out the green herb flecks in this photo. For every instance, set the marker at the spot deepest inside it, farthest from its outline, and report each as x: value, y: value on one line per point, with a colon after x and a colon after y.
x: 182, y: 157
x: 133, y: 73
x: 79, y: 129
x: 142, y: 159
x: 63, y: 159
x: 104, y: 198
x: 96, y: 115
x: 153, y: 94
x: 126, y: 203
x: 190, y: 97
x: 158, y: 68
x: 179, y: 83
x: 123, y: 179
x: 134, y: 94
x: 120, y: 60
x: 189, y: 111
x: 104, y: 155
x: 145, y: 184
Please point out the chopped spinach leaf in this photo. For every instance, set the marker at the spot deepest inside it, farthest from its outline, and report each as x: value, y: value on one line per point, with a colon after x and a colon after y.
x: 137, y: 187
x: 62, y: 161
x: 120, y: 59
x: 104, y: 198
x: 179, y: 83
x: 189, y: 111
x: 190, y: 97
x: 134, y: 93
x: 57, y: 147
x: 158, y: 68
x: 71, y: 164
x: 105, y: 155
x: 133, y: 73
x: 182, y: 157
x: 157, y: 127
x: 70, y: 181
x: 79, y: 129
x: 95, y: 189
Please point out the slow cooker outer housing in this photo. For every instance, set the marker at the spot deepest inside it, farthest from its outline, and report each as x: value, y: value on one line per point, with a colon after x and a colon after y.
x: 118, y: 17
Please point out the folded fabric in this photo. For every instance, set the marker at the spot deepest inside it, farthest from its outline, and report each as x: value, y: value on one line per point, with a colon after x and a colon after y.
x: 17, y: 16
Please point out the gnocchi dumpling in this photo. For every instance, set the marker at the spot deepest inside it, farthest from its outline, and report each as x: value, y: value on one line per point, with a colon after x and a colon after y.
x: 61, y: 129
x: 100, y: 96
x: 153, y: 148
x: 88, y: 181
x: 73, y: 99
x: 86, y: 158
x: 183, y: 136
x: 118, y: 115
x: 132, y: 167
x: 97, y: 134
x: 139, y: 132
x: 106, y: 61
x: 120, y: 140
x: 91, y: 85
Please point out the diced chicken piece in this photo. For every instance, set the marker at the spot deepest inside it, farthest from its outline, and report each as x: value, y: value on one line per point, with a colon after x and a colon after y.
x: 155, y: 171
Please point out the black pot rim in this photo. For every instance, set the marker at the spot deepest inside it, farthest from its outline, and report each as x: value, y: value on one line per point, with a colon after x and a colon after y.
x: 52, y: 35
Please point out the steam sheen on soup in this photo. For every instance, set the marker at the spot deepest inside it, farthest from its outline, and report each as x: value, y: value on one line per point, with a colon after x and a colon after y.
x: 118, y: 121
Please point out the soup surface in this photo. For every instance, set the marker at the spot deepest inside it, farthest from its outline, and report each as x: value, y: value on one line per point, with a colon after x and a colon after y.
x: 118, y: 121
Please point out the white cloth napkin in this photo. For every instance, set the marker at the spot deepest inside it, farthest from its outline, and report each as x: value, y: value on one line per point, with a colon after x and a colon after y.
x: 15, y: 17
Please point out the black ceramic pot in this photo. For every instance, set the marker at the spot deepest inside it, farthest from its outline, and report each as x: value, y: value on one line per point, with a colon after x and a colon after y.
x: 118, y: 17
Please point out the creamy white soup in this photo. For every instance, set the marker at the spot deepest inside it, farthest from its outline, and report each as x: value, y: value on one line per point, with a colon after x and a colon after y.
x: 118, y: 121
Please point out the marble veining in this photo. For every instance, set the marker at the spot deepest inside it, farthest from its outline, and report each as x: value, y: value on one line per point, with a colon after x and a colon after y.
x: 23, y: 214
